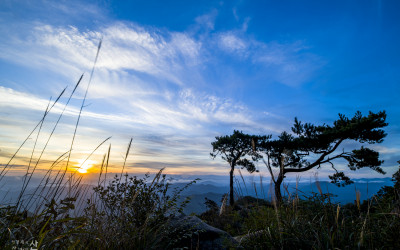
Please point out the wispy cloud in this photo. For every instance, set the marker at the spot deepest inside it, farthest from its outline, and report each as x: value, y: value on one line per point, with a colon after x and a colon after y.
x: 147, y: 81
x: 207, y: 21
x: 68, y: 51
x: 232, y: 43
x: 189, y: 111
x: 287, y: 63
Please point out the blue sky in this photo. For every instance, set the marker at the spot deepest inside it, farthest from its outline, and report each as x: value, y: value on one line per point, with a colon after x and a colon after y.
x: 174, y: 74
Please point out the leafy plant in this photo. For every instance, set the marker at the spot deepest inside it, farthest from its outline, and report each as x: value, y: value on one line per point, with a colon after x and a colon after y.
x: 134, y: 212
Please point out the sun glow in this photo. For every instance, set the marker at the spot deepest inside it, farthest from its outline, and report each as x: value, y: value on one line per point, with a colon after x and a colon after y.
x: 84, y: 165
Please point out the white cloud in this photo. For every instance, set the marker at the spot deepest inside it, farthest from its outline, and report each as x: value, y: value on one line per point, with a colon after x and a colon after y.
x: 129, y: 47
x: 232, y: 43
x: 207, y: 20
x: 190, y: 110
x: 289, y: 63
x: 385, y: 150
x: 68, y: 51
x: 12, y: 98
x: 186, y: 46
x: 165, y: 56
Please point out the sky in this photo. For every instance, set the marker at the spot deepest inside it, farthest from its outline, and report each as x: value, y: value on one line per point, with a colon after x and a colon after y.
x: 172, y: 75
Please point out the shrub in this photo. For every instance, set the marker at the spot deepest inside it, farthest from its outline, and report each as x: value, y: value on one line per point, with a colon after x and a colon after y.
x: 133, y: 212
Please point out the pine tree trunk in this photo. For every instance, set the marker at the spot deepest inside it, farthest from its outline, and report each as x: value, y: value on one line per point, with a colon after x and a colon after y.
x: 231, y: 198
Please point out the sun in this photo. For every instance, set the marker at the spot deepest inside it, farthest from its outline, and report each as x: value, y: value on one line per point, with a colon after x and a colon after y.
x: 83, y: 165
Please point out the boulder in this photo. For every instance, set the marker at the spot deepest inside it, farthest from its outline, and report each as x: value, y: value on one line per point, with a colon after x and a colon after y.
x: 199, y: 235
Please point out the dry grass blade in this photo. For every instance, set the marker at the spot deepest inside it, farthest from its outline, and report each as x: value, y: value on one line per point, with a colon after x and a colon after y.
x: 337, y: 215
x: 126, y: 156
x: 156, y: 177
x: 262, y: 187
x: 238, y: 190
x: 358, y: 197
x: 317, y: 183
x: 73, y: 174
x: 107, y: 161
x: 47, y: 176
x: 223, y: 205
x: 27, y: 138
x: 26, y: 178
x: 244, y: 182
x: 82, y: 105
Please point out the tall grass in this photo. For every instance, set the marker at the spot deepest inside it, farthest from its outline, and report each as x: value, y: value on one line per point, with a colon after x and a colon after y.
x: 313, y: 221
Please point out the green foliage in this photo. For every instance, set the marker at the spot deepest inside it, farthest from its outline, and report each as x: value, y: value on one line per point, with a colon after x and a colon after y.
x: 51, y: 228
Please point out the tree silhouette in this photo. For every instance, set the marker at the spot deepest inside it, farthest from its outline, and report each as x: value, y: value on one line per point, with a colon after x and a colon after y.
x: 312, y: 146
x: 234, y: 149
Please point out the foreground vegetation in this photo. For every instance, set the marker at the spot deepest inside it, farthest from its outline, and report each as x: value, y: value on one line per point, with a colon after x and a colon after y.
x: 313, y: 222
x: 127, y: 213
x: 134, y: 213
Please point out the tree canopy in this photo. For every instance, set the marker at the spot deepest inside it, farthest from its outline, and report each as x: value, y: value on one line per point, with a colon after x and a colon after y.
x: 235, y: 149
x: 311, y: 146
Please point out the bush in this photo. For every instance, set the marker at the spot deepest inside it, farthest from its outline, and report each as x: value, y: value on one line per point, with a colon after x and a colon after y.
x: 133, y: 212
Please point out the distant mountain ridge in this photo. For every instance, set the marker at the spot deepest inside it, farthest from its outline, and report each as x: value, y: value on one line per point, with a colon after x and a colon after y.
x: 11, y: 185
x: 343, y: 195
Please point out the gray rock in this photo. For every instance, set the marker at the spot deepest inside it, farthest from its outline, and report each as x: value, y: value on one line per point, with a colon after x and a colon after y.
x: 200, y: 235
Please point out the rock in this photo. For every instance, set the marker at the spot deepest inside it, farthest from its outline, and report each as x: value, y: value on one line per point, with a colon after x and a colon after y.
x: 200, y: 235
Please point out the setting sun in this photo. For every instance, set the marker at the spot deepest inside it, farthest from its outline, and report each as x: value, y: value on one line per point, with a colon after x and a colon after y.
x: 84, y: 165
